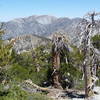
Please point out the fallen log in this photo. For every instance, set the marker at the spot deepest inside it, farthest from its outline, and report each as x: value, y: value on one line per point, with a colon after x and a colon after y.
x: 51, y: 92
x: 29, y: 84
x: 33, y: 85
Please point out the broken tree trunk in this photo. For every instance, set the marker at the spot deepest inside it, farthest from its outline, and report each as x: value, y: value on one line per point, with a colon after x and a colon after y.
x: 58, y: 46
x: 56, y: 74
x: 89, y: 63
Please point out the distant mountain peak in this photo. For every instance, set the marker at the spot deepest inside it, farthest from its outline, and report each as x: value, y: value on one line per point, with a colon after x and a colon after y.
x: 42, y: 19
x: 42, y: 25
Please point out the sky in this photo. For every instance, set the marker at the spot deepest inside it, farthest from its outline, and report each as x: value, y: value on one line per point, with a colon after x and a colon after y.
x: 11, y: 9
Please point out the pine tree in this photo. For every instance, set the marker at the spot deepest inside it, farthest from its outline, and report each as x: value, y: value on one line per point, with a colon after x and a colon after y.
x: 5, y: 50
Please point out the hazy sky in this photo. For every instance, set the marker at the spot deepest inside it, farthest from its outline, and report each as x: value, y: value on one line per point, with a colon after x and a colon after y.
x: 10, y: 9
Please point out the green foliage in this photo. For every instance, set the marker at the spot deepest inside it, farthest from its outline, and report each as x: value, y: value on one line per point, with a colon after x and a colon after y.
x: 15, y: 93
x: 20, y: 73
x: 3, y: 74
x: 5, y: 57
x: 17, y: 72
x: 68, y: 68
x: 73, y: 67
x: 79, y: 84
x: 24, y: 59
x: 19, y: 67
x: 5, y: 51
x: 96, y: 41
x: 73, y: 74
x: 98, y: 75
x: 24, y: 66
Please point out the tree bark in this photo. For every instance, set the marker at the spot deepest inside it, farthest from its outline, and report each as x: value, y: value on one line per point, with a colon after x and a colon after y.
x: 56, y: 73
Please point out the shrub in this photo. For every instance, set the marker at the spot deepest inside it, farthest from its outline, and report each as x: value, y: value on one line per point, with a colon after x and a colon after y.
x: 96, y: 41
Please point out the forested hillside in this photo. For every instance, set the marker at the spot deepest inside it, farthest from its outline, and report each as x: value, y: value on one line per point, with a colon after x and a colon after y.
x: 50, y: 66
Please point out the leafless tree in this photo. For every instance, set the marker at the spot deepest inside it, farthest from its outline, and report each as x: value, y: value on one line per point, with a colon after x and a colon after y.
x: 90, y: 56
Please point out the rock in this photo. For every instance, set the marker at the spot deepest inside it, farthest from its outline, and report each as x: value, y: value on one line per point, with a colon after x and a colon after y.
x: 28, y: 42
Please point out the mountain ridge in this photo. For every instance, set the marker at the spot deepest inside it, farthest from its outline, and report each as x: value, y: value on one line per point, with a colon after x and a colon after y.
x: 43, y: 25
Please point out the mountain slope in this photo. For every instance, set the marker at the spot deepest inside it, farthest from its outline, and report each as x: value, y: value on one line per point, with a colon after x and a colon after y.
x: 41, y: 25
x: 28, y: 42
